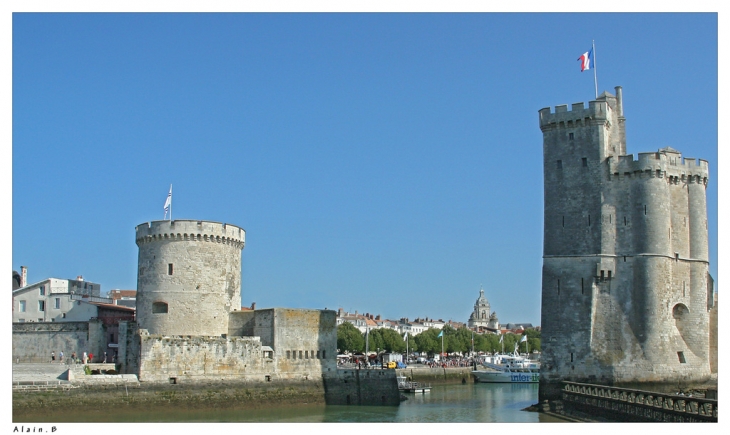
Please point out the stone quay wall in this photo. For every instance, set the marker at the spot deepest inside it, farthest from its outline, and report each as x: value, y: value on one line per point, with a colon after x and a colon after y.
x: 362, y: 387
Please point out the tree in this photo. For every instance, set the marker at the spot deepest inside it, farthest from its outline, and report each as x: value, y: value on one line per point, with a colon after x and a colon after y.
x: 349, y: 338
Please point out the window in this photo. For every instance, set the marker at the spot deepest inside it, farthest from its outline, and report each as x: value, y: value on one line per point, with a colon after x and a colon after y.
x: 159, y: 308
x: 41, y: 306
x: 560, y: 164
x: 294, y: 354
x: 63, y: 315
x: 681, y: 357
x: 300, y: 354
x: 306, y: 354
x: 57, y: 303
x: 21, y: 320
x: 169, y: 269
x: 42, y: 290
x: 570, y: 136
x: 318, y: 357
x: 585, y: 162
x: 21, y: 307
x: 323, y: 356
x: 288, y: 354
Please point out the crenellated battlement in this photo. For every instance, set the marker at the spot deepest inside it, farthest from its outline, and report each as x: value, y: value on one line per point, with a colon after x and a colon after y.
x: 598, y: 110
x: 189, y: 230
x: 665, y: 163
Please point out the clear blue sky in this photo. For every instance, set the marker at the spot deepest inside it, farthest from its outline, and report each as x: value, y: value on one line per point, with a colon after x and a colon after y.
x: 385, y: 163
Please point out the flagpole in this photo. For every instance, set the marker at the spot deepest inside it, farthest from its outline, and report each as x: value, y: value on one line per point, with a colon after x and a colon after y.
x: 171, y: 202
x: 595, y: 76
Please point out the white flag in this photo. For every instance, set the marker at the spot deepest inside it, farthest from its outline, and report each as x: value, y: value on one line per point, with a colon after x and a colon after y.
x: 405, y: 336
x: 524, y: 338
x: 501, y: 338
x: 168, y: 202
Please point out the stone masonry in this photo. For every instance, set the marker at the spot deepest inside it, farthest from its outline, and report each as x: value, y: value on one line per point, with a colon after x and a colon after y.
x: 626, y: 290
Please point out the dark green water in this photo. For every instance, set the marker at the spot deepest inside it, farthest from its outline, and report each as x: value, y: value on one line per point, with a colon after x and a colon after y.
x: 470, y: 403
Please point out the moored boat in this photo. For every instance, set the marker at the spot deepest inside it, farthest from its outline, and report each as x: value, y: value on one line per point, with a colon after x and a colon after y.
x: 509, y: 369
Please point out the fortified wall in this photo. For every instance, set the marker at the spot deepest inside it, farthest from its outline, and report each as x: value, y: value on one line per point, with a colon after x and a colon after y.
x: 626, y: 290
x: 34, y: 342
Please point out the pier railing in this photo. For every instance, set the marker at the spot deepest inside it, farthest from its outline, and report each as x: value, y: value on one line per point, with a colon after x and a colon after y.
x: 637, y: 405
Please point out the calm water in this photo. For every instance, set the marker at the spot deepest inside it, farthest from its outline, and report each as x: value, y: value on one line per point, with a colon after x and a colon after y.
x: 468, y: 403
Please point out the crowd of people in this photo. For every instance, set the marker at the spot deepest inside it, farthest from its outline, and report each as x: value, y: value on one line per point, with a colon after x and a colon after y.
x: 86, y: 358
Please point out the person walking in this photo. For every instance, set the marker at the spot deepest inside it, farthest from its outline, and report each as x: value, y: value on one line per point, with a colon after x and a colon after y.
x: 60, y: 356
x: 91, y: 357
x: 73, y: 357
x: 53, y: 356
x: 84, y: 358
x: 104, y: 358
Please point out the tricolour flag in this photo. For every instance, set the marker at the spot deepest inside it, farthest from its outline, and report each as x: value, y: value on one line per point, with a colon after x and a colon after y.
x: 440, y: 334
x: 524, y: 338
x: 168, y: 202
x: 585, y: 60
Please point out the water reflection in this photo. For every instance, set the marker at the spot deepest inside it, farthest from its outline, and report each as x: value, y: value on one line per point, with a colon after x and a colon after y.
x: 468, y: 403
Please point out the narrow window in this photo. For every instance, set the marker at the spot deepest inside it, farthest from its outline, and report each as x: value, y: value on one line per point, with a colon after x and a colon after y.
x: 169, y: 269
x: 318, y: 357
x: 22, y: 306
x: 658, y: 173
x: 582, y: 291
x: 300, y: 354
x: 288, y: 354
x: 624, y: 259
x: 571, y: 356
x: 644, y: 209
x: 589, y: 220
x: 563, y: 221
x: 306, y: 354
x: 684, y: 289
x: 624, y: 220
x: 609, y: 275
x: 42, y: 290
x: 558, y: 286
x: 585, y: 162
x: 57, y: 304
x: 602, y: 276
x: 294, y: 354
x: 63, y: 315
x: 323, y: 354
x: 560, y: 164
x: 681, y: 357
x: 41, y: 305
x: 570, y: 136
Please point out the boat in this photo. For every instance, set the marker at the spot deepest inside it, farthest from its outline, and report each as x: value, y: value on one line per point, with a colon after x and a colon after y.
x: 508, y: 369
x: 406, y: 386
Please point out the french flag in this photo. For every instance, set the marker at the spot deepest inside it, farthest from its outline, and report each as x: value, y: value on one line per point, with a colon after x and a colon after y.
x: 585, y: 60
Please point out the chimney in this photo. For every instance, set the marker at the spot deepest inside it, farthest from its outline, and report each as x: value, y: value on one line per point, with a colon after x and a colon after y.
x: 378, y: 317
x: 253, y: 305
x: 23, y: 276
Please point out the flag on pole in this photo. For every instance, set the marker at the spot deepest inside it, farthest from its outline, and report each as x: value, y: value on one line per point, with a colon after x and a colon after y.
x: 405, y: 336
x: 585, y: 60
x: 168, y: 203
x: 440, y: 334
x: 524, y: 338
x: 501, y: 338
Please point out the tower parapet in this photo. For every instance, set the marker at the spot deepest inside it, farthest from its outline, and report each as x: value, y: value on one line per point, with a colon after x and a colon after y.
x: 189, y: 276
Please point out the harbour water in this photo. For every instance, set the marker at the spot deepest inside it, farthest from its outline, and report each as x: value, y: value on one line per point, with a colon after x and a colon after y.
x: 467, y: 403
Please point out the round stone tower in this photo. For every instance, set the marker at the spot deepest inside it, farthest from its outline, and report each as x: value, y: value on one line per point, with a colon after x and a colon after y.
x: 188, y: 276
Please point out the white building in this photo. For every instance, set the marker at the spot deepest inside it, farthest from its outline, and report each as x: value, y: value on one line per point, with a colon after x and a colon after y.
x: 56, y: 300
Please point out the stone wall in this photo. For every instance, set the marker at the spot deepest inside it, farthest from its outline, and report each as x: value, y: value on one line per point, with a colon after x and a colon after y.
x: 362, y: 387
x: 33, y: 342
x: 128, y: 358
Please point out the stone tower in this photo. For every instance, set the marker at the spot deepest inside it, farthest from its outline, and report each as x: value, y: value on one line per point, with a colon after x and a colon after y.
x: 188, y: 277
x: 626, y: 289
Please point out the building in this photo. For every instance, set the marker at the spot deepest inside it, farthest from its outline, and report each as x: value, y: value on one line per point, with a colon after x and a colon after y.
x: 626, y: 290
x: 55, y: 300
x: 127, y: 298
x: 481, y: 319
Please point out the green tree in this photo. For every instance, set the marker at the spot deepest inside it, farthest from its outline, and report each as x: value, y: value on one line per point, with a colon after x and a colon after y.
x: 428, y: 342
x: 349, y: 338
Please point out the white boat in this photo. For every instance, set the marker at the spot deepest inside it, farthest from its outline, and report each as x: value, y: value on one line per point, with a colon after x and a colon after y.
x: 509, y: 369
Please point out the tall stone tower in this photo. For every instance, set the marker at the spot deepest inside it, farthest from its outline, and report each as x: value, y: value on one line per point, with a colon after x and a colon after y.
x: 480, y: 316
x: 626, y: 290
x: 188, y: 277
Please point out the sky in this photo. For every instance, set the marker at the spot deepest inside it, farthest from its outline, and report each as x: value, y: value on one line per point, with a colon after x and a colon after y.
x: 384, y: 163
